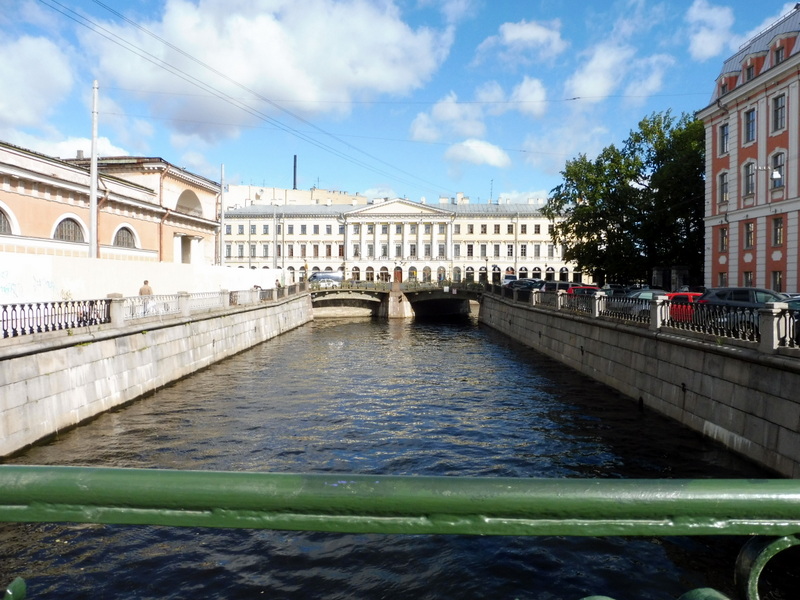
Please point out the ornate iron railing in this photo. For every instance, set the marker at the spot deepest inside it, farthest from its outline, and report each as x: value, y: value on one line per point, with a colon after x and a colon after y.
x: 39, y: 317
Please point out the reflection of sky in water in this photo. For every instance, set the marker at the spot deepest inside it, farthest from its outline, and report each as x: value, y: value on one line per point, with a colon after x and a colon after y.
x: 372, y: 396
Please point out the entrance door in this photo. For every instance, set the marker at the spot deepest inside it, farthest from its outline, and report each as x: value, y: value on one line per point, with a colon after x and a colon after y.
x: 398, y: 274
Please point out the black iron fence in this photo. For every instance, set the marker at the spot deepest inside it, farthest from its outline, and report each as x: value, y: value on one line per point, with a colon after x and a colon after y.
x: 40, y: 317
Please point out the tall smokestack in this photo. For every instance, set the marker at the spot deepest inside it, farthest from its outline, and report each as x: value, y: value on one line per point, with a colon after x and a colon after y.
x: 294, y: 180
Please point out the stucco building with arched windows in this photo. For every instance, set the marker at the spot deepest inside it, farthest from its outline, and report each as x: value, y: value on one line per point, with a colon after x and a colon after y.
x: 752, y: 216
x: 147, y: 208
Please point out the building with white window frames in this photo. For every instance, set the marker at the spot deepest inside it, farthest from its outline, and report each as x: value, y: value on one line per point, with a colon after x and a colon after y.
x: 752, y: 205
x: 396, y: 240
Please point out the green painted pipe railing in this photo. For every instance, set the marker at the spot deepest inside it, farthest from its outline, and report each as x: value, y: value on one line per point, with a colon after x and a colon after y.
x: 412, y: 505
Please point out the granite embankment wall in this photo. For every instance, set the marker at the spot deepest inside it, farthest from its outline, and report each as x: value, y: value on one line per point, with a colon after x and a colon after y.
x: 53, y: 381
x: 747, y: 400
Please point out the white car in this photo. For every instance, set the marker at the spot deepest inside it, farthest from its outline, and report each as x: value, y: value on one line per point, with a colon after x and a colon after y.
x: 327, y: 283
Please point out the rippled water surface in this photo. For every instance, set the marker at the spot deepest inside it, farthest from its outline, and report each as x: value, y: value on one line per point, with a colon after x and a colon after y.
x: 366, y: 396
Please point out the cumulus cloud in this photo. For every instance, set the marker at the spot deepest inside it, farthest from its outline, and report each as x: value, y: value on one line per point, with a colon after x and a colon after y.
x: 310, y: 57
x: 530, y: 97
x: 525, y: 41
x: 24, y: 100
x: 709, y: 29
x: 602, y: 73
x: 424, y: 129
x: 464, y: 119
x: 647, y: 78
x: 478, y: 152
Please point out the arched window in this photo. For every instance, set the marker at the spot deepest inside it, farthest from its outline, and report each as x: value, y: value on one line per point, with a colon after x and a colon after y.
x: 5, y: 224
x: 69, y: 230
x: 355, y: 274
x: 125, y: 238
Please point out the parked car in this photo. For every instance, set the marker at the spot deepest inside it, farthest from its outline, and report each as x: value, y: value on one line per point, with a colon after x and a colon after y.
x: 552, y: 286
x: 508, y: 278
x: 327, y: 283
x: 735, y: 308
x: 523, y: 283
x: 584, y: 290
x: 681, y: 307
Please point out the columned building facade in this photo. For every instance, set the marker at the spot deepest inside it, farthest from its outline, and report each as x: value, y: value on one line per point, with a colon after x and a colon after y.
x: 752, y: 142
x: 395, y: 240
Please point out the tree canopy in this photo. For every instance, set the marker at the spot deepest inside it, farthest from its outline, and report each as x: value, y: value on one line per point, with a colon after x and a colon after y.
x: 637, y: 207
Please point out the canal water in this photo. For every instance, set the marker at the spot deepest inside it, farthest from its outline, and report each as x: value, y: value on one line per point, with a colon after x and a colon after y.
x: 377, y: 397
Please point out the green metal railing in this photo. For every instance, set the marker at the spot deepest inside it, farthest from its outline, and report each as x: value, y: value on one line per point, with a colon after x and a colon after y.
x: 416, y: 505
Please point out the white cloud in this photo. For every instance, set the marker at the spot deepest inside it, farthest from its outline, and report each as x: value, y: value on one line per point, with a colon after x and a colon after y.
x: 709, y: 29
x: 64, y: 147
x: 312, y: 57
x: 525, y: 41
x: 531, y: 97
x: 25, y: 100
x: 464, y: 119
x: 602, y: 73
x: 647, y: 78
x: 478, y: 152
x: 423, y: 129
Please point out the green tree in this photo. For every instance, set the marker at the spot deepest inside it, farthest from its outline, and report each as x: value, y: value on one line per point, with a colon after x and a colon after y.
x: 637, y: 207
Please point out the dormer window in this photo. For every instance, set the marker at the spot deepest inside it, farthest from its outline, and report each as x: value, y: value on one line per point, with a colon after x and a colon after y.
x: 723, y: 89
x: 749, y: 73
x: 778, y: 55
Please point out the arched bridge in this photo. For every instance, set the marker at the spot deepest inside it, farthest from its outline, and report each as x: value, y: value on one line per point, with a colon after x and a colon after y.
x: 395, y: 299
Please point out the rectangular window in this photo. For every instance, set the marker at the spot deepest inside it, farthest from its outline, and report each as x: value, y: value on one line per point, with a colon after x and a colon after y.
x: 723, y: 187
x: 315, y: 229
x: 240, y: 251
x: 723, y: 239
x: 265, y: 230
x: 290, y: 229
x: 749, y: 235
x: 722, y: 280
x: 370, y: 251
x: 747, y: 279
x: 750, y: 126
x: 778, y: 55
x: 265, y: 250
x: 428, y: 229
x: 777, y: 231
x: 749, y: 179
x: 470, y: 229
x: 497, y: 229
x: 776, y: 176
x: 356, y: 250
x: 303, y: 229
x: 537, y: 229
x: 510, y: 229
x: 523, y: 250
x: 779, y: 113
x: 457, y: 229
x: 523, y: 229
x: 302, y: 250
x: 370, y: 229
x: 241, y: 229
x: 252, y: 250
x: 777, y: 281
x: 412, y: 250
x: 483, y: 251
x: 398, y: 229
x: 483, y: 229
x: 290, y: 249
x: 315, y: 250
x: 328, y: 229
x: 551, y: 251
x: 398, y: 250
x: 384, y: 250
x: 441, y: 251
x: 550, y: 229
x: 537, y: 251
x: 227, y: 250
x: 340, y: 250
x: 724, y: 136
x: 427, y: 249
x: 413, y: 230
x: 328, y: 250
x: 497, y: 250
x: 470, y: 251
x: 227, y: 229
x: 749, y: 72
x: 278, y: 251
x: 385, y: 229
x: 252, y: 229
x: 341, y: 229
x: 356, y: 229
x: 456, y: 251
x: 442, y: 228
x: 510, y: 250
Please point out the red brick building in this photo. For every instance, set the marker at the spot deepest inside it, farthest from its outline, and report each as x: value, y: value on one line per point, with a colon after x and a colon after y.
x: 752, y: 176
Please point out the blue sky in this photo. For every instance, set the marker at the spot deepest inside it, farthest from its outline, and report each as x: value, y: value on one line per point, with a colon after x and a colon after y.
x: 386, y: 98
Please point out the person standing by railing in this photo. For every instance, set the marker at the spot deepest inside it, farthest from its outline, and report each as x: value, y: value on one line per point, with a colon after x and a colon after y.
x: 146, y: 290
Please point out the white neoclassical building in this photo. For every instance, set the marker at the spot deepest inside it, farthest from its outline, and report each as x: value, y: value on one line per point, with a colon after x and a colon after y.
x: 395, y: 239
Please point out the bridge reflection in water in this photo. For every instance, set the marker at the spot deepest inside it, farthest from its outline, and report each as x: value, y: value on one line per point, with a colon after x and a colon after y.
x: 473, y: 436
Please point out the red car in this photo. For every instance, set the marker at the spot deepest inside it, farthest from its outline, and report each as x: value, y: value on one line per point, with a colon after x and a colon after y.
x: 584, y: 290
x: 680, y: 308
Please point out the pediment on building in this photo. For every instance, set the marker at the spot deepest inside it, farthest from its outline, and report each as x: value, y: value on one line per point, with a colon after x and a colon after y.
x: 399, y: 207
